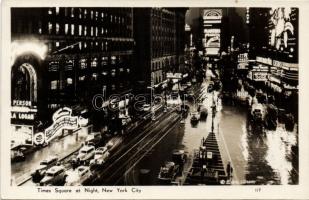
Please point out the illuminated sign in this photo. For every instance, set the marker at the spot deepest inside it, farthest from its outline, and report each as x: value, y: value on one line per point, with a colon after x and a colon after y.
x: 212, y: 31
x: 243, y: 57
x: 263, y: 60
x: 174, y: 76
x: 285, y: 65
x: 212, y: 51
x: 21, y: 103
x: 212, y: 14
x: 62, y: 119
x: 187, y: 27
x: 282, y: 33
x: 259, y: 76
x: 26, y: 116
x: 39, y: 138
x: 21, y: 135
x: 242, y: 65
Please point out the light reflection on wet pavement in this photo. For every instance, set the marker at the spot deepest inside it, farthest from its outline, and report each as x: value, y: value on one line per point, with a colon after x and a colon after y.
x: 257, y: 158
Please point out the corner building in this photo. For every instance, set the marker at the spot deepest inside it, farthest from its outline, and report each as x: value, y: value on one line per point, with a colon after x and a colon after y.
x: 88, y: 51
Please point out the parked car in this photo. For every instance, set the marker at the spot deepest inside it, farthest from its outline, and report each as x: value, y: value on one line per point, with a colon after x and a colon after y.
x: 101, y: 154
x: 54, y: 176
x: 39, y: 172
x: 78, y: 176
x: 168, y: 172
x: 85, y: 154
x: 94, y: 138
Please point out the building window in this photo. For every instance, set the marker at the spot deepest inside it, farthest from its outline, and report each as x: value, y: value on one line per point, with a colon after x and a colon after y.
x: 72, y: 12
x: 57, y: 44
x: 113, y: 87
x: 81, y: 78
x: 85, y: 30
x: 57, y: 10
x: 80, y: 30
x: 53, y: 66
x: 85, y: 14
x: 54, y: 85
x: 72, y: 29
x: 96, y: 15
x: 94, y: 62
x: 106, y: 46
x: 85, y: 45
x: 83, y: 63
x: 96, y: 31
x: 66, y: 12
x: 69, y: 81
x: 94, y: 76
x: 91, y: 31
x: 57, y: 28
x: 50, y: 27
x: 102, y: 30
x: 66, y: 28
x: 104, y: 61
x: 50, y: 11
x: 113, y: 60
x: 80, y: 13
x: 68, y: 65
x: 40, y: 27
x: 113, y: 72
x: 91, y: 14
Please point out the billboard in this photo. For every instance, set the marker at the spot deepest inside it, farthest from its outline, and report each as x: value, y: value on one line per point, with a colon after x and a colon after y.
x: 212, y: 15
x: 283, y: 29
x: 21, y: 135
x: 212, y: 34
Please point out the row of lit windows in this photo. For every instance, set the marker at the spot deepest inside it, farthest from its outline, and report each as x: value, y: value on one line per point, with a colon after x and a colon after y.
x: 158, y: 65
x: 57, y: 84
x: 83, y: 30
x: 83, y: 64
x: 93, y: 14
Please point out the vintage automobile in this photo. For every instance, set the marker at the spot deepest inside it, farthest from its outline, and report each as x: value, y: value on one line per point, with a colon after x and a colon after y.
x: 56, y: 175
x: 39, y: 172
x: 101, y: 154
x: 85, y: 154
x: 168, y: 172
x: 78, y: 176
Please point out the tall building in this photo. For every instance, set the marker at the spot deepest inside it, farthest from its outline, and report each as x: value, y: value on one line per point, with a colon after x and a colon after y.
x: 63, y: 56
x: 160, y: 41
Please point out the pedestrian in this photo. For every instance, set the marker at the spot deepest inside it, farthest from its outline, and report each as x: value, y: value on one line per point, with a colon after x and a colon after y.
x: 228, y: 169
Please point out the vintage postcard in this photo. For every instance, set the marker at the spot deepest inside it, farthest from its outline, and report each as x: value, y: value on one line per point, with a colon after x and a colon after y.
x: 162, y: 99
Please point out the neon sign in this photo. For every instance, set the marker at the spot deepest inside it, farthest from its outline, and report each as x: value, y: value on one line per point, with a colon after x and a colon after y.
x: 63, y: 119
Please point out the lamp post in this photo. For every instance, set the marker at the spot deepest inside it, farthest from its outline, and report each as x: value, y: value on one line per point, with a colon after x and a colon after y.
x: 151, y: 96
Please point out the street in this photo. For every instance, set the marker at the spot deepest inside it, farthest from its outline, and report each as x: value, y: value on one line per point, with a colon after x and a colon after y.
x: 255, y: 159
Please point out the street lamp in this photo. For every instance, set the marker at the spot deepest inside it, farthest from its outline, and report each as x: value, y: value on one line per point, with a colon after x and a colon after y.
x: 151, y: 94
